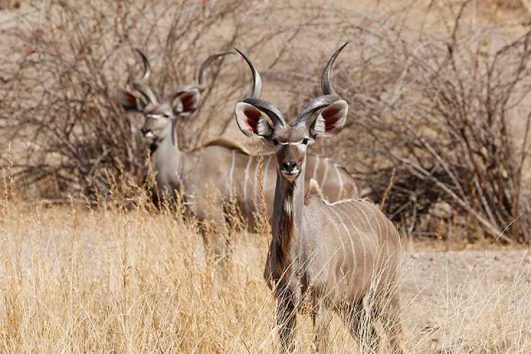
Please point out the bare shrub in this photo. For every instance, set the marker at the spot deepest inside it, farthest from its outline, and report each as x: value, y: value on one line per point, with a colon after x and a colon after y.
x: 434, y: 108
x: 438, y: 109
x: 8, y: 4
x: 59, y: 94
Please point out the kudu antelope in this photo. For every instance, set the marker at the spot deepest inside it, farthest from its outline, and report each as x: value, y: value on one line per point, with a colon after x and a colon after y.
x: 216, y: 173
x: 337, y: 255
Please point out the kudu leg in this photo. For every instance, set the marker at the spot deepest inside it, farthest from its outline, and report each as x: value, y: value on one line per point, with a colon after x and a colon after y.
x: 217, y: 246
x: 361, y: 327
x: 286, y: 322
x: 390, y: 317
x: 321, y: 319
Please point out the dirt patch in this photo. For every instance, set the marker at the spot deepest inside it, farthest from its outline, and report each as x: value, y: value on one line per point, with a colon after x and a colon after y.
x: 456, y: 300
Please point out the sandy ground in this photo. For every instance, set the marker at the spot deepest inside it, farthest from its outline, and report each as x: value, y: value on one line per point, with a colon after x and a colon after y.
x: 463, y: 283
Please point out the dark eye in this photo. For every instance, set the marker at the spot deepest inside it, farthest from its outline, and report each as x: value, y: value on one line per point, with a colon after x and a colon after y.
x: 166, y: 115
x: 305, y: 141
x: 275, y: 142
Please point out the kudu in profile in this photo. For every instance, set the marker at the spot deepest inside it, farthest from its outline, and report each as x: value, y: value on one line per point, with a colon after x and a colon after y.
x: 337, y: 255
x: 219, y: 172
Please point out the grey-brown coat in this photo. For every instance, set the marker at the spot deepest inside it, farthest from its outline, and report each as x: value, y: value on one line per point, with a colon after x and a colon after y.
x: 219, y: 172
x: 341, y: 255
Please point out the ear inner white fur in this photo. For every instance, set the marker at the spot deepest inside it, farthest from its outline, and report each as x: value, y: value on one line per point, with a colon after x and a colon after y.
x: 129, y: 101
x: 262, y: 127
x: 251, y: 120
x: 331, y: 120
x: 186, y: 101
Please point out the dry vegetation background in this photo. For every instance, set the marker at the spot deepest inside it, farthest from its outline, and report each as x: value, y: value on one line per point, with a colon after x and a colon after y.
x: 440, y: 109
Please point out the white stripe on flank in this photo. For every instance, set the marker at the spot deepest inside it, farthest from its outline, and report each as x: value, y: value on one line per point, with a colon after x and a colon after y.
x: 386, y: 234
x: 323, y: 182
x: 368, y: 222
x: 315, y: 168
x: 246, y: 180
x: 360, y: 236
x: 231, y: 173
x: 343, y: 201
x: 330, y: 256
x: 379, y: 226
x: 340, y: 178
x: 349, y: 234
x: 266, y: 172
x: 256, y: 184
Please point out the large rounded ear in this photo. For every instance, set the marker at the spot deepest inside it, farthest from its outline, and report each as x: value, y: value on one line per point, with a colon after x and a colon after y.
x: 186, y: 101
x: 130, y: 102
x: 331, y: 120
x: 252, y: 121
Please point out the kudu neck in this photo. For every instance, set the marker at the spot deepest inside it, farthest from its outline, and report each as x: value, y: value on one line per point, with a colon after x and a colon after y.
x: 169, y: 137
x: 168, y: 145
x: 287, y: 213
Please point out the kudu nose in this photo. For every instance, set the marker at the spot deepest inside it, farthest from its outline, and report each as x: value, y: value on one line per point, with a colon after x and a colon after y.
x: 289, y: 166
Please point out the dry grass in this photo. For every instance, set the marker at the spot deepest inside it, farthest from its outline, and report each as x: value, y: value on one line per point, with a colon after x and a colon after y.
x: 77, y: 280
x: 81, y: 279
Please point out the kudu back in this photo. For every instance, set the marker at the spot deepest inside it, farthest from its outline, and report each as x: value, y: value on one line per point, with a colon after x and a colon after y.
x: 342, y: 256
x: 219, y: 173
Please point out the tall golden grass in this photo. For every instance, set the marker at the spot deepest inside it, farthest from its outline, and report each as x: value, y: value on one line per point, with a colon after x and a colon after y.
x: 79, y: 278
x: 75, y: 279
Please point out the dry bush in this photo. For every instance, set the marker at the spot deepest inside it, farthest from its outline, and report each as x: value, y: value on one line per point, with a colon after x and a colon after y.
x: 434, y: 108
x: 438, y: 109
x: 59, y: 104
x: 511, y: 4
x: 60, y: 88
x: 9, y: 4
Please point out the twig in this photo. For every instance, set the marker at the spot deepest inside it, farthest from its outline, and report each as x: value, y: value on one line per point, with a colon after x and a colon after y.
x: 388, y: 189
